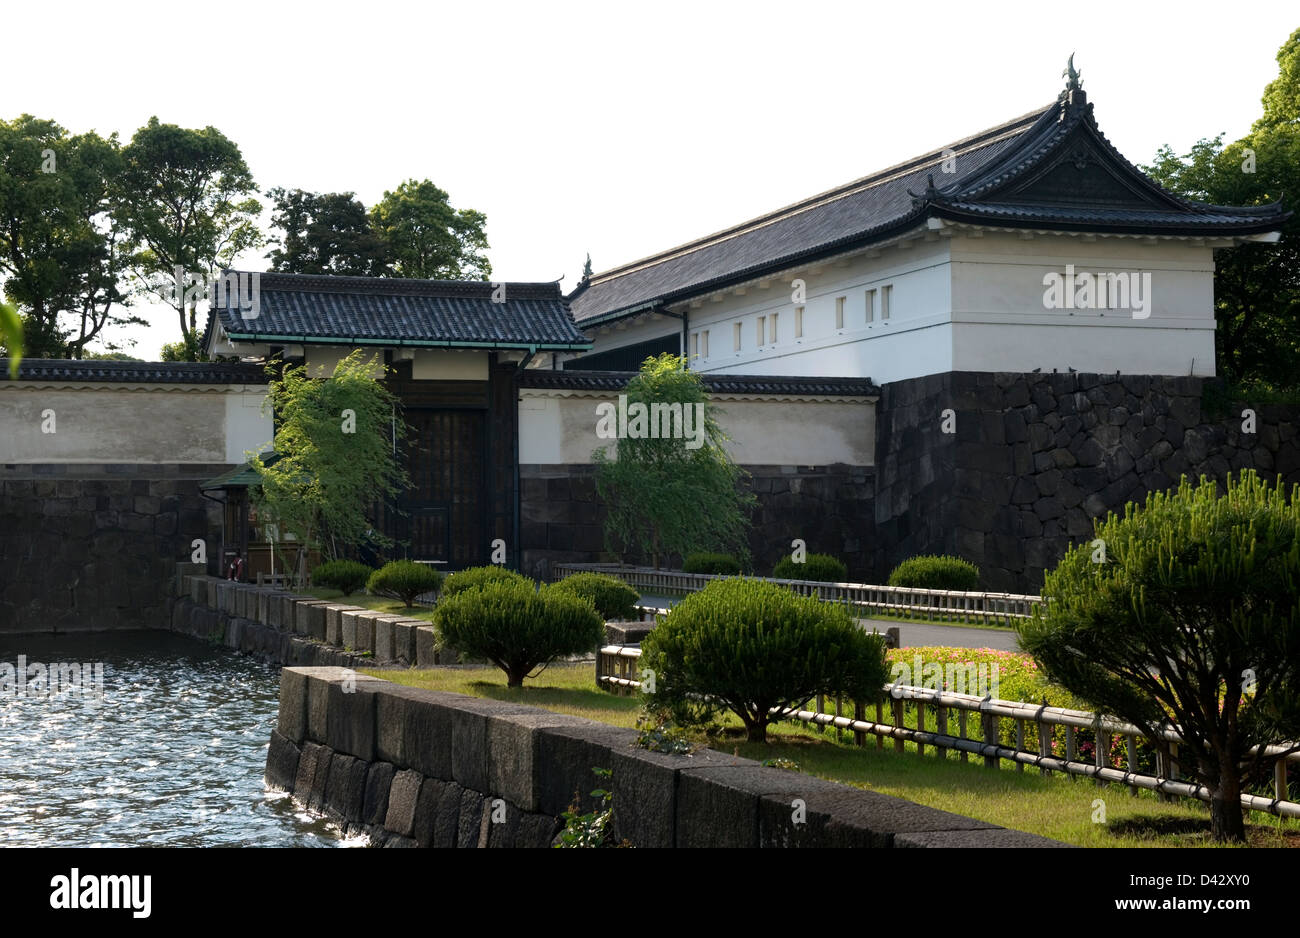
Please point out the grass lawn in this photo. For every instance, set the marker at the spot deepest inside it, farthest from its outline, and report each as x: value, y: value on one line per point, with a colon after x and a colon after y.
x: 380, y: 603
x: 1055, y: 805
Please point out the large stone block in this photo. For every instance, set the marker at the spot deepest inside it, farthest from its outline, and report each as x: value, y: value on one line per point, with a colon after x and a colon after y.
x: 984, y: 837
x: 469, y: 738
x: 350, y: 725
x: 426, y: 810
x: 425, y: 721
x: 537, y: 830
x: 309, y: 618
x: 293, y: 704
x: 447, y: 821
x: 515, y: 768
x: 644, y: 786
x: 717, y: 806
x: 842, y: 816
x: 470, y: 826
x: 426, y: 647
x: 379, y: 779
x: 365, y: 630
x: 402, y: 799
x: 404, y: 631
x: 564, y: 760
x: 384, y: 637
x: 281, y: 761
x: 346, y: 790
x: 334, y: 622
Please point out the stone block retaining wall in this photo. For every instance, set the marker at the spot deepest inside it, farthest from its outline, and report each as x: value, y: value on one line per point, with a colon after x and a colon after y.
x: 409, y: 767
x: 290, y: 629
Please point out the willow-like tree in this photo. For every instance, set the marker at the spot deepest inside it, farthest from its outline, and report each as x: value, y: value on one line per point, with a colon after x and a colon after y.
x: 672, y: 493
x: 1185, y: 613
x: 335, y: 442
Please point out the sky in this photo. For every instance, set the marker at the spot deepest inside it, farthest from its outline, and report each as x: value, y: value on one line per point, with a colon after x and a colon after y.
x: 621, y: 129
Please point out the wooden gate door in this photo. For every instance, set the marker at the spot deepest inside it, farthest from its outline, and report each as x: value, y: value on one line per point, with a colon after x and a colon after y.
x: 445, y: 507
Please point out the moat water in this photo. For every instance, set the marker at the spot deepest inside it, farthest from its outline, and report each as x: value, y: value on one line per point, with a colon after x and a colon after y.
x: 140, y: 739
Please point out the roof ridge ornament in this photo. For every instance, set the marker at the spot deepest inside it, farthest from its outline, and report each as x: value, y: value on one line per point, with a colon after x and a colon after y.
x: 1073, y: 99
x: 930, y: 194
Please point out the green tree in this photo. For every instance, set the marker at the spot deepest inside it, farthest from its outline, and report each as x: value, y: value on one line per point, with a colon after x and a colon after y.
x: 186, y: 209
x: 325, y: 233
x: 59, y: 242
x: 335, y: 437
x: 11, y: 337
x: 1191, y: 619
x: 1256, y: 286
x: 753, y: 648
x: 429, y: 240
x: 667, y: 495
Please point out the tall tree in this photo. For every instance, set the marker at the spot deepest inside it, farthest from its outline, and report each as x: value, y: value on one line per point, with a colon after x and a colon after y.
x: 325, y: 233
x: 427, y: 238
x: 670, y: 488
x: 58, y: 239
x: 336, y: 437
x: 1256, y: 286
x: 187, y: 209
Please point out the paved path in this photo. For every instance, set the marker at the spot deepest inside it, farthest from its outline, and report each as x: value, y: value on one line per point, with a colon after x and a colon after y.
x: 916, y: 635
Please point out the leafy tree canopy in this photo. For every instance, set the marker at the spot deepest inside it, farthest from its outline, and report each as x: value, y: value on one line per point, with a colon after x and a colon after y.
x: 1256, y: 286
x: 427, y: 238
x: 325, y: 233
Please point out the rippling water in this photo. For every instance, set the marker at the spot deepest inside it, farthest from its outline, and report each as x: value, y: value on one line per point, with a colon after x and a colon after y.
x: 173, y: 755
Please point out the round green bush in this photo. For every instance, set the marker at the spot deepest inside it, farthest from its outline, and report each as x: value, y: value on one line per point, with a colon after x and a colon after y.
x: 749, y: 646
x: 934, y: 572
x: 346, y: 576
x: 517, y: 627
x: 820, y: 567
x: 720, y: 564
x: 613, y: 598
x: 404, y: 580
x: 474, y: 577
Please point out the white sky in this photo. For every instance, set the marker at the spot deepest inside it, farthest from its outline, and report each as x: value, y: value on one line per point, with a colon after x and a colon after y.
x: 615, y: 128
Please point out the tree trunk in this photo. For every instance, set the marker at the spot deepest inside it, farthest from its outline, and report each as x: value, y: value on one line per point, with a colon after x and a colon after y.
x: 515, y: 675
x: 1226, y: 820
x: 756, y: 728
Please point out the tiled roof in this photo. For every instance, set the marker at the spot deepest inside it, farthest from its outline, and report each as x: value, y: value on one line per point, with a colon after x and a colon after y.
x: 58, y: 369
x: 430, y: 313
x: 615, y: 381
x: 1016, y: 174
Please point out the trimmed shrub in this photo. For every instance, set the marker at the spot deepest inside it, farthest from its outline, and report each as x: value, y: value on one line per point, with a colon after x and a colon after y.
x: 404, y: 580
x: 748, y: 646
x: 721, y: 564
x: 820, y: 567
x: 613, y: 598
x: 936, y: 572
x: 475, y: 577
x: 517, y: 627
x: 346, y: 576
x: 1186, y: 608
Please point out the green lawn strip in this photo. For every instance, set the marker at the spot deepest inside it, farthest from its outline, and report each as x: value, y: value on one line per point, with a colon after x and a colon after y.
x: 378, y: 603
x: 1054, y: 805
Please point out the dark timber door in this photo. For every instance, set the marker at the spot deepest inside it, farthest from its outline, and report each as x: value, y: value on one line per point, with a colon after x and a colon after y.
x: 445, y: 506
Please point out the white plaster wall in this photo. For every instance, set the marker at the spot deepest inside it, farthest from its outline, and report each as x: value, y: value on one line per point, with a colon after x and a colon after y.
x: 557, y: 430
x: 101, y: 423
x: 439, y: 365
x: 1001, y: 322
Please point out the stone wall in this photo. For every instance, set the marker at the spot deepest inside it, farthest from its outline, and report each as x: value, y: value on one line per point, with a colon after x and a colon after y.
x: 408, y: 767
x: 1035, y: 458
x: 288, y: 628
x: 829, y: 507
x: 87, y: 547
